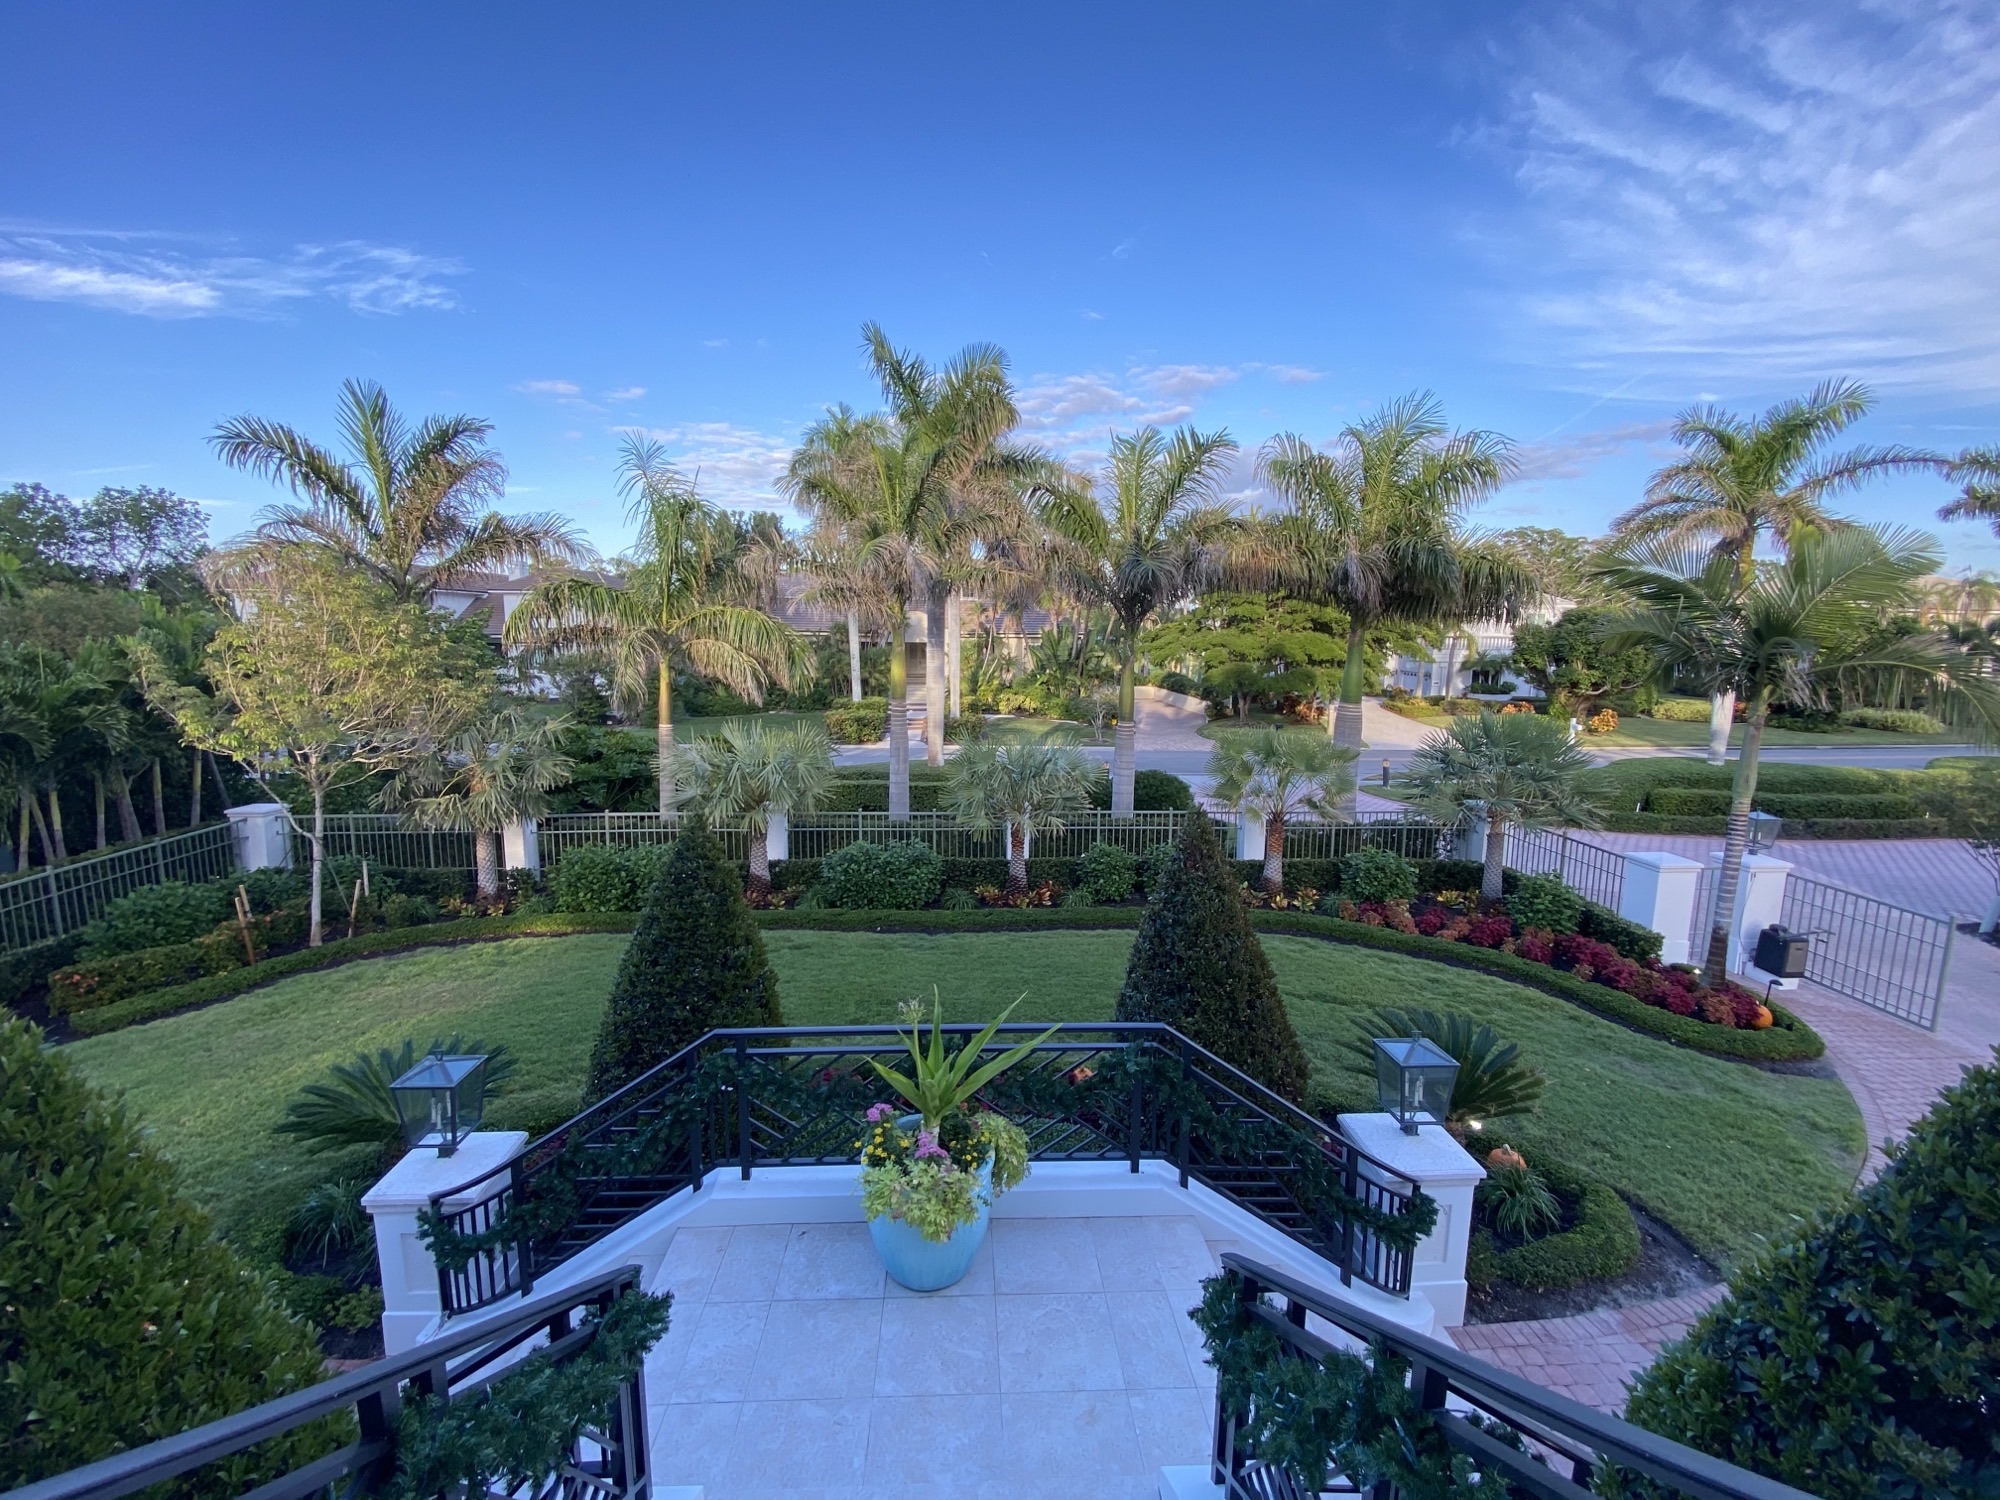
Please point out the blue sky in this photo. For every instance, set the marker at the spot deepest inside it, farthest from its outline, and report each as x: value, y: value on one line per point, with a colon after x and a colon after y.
x: 579, y: 221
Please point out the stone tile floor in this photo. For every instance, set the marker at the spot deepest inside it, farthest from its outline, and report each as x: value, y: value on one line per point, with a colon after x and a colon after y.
x: 793, y: 1366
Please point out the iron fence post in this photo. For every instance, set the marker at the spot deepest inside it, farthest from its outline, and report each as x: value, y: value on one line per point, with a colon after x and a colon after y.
x: 517, y: 1190
x: 55, y: 901
x: 1187, y: 1077
x: 743, y: 1105
x: 1944, y: 970
x: 1350, y: 1182
x: 1138, y: 1106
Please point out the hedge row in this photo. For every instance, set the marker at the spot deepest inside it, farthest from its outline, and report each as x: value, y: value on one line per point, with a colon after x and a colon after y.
x: 1699, y: 802
x: 1804, y: 828
x: 1604, y: 1242
x: 23, y: 970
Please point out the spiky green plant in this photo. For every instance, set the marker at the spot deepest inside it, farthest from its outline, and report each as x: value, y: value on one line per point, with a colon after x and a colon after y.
x: 751, y: 773
x: 354, y: 1107
x: 1492, y: 1080
x: 939, y: 1082
x: 1026, y: 788
x: 1519, y: 1203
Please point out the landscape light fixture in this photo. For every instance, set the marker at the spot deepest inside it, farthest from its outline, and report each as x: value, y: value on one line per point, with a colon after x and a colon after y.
x: 1414, y: 1078
x: 1764, y: 831
x: 440, y: 1101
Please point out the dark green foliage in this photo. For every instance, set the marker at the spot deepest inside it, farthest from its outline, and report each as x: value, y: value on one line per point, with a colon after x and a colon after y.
x: 152, y: 916
x: 353, y: 1106
x: 1635, y: 940
x: 1107, y: 873
x: 1599, y: 1238
x: 1492, y: 1081
x: 330, y: 1220
x: 862, y: 723
x: 1377, y: 875
x: 23, y: 970
x: 606, y: 877
x: 1519, y: 1203
x: 1152, y: 791
x: 1860, y: 1359
x: 1197, y: 966
x: 1568, y: 663
x: 1701, y: 802
x: 125, y: 1321
x: 611, y: 771
x: 1544, y: 901
x: 887, y: 876
x: 696, y: 962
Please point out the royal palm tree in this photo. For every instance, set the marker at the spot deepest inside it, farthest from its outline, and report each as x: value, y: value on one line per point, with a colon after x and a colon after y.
x: 1026, y: 789
x: 1374, y: 527
x: 1280, y: 775
x: 497, y: 770
x: 24, y: 741
x: 680, y: 606
x: 407, y: 506
x: 1786, y: 638
x: 1518, y: 769
x: 1746, y: 478
x: 1150, y: 534
x: 1978, y: 471
x: 751, y: 774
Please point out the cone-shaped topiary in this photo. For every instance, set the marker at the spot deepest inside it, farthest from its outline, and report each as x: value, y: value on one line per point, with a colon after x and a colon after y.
x: 124, y: 1320
x: 696, y: 962
x: 1198, y: 966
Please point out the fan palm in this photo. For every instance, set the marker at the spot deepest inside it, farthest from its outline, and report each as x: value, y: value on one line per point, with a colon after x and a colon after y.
x: 1492, y: 1081
x: 1786, y: 638
x: 498, y: 769
x: 1519, y: 769
x: 752, y: 773
x: 1027, y: 788
x: 1152, y: 533
x: 681, y: 606
x: 1280, y: 775
x: 354, y: 1107
x: 1375, y: 529
x: 406, y: 506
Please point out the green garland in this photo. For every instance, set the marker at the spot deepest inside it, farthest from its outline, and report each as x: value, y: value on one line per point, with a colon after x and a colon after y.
x: 524, y: 1427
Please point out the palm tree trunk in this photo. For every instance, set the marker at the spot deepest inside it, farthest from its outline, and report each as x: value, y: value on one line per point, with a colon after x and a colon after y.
x: 1345, y: 725
x: 49, y: 849
x: 760, y: 863
x: 934, y: 694
x: 121, y: 794
x: 55, y: 821
x: 1721, y: 714
x: 97, y: 798
x: 1274, y: 854
x: 664, y: 740
x: 486, y: 865
x: 194, y: 790
x: 854, y: 656
x: 314, y: 936
x: 1490, y: 875
x: 1737, y: 839
x: 221, y: 786
x: 159, y: 803
x: 1125, y: 738
x: 1017, y: 855
x: 899, y: 723
x: 27, y: 802
x: 954, y: 652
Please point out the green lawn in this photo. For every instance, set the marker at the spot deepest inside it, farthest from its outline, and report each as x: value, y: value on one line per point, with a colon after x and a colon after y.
x: 1725, y: 1153
x: 1634, y: 732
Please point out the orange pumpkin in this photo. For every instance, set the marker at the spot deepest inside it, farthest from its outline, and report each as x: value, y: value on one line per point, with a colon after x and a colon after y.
x: 1762, y: 1019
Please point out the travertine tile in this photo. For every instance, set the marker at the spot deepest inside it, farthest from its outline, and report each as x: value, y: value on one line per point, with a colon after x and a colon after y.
x: 1044, y: 1255
x: 947, y: 1441
x: 797, y: 1445
x: 818, y: 1350
x: 750, y: 1265
x: 1056, y: 1342
x: 1080, y: 1435
x: 1151, y: 1353
x: 941, y: 1346
x: 830, y: 1260
x: 721, y: 1356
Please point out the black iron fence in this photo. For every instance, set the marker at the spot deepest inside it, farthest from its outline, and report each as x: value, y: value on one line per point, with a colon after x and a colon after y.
x: 1512, y: 1437
x: 45, y: 904
x: 774, y: 1097
x: 1591, y: 870
x: 351, y: 1420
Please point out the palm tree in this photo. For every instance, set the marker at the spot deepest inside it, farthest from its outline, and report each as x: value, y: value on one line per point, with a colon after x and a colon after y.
x: 406, y: 506
x: 681, y: 606
x: 497, y: 770
x: 1028, y: 789
x: 1375, y: 529
x: 1280, y: 775
x: 80, y: 720
x: 1787, y: 637
x: 1747, y: 477
x: 1978, y: 470
x: 1152, y: 534
x: 1519, y: 769
x: 752, y: 773
x: 24, y: 741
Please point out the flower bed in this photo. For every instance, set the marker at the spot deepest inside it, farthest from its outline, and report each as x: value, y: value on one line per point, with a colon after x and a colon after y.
x: 1595, y: 1239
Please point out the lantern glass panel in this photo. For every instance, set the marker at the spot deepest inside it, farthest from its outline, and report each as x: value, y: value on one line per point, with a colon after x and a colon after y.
x: 1414, y: 1078
x: 440, y: 1101
x: 1764, y: 830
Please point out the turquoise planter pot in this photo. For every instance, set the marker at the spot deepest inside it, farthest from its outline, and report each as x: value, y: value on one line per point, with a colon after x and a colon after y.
x: 926, y: 1265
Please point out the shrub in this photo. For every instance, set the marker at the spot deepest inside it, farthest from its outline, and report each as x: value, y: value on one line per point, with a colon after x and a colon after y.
x: 1152, y: 791
x: 1858, y: 1359
x: 1604, y: 721
x: 1197, y: 965
x: 1106, y: 873
x: 152, y: 917
x: 695, y: 962
x: 1686, y: 802
x: 1633, y: 940
x: 1518, y: 1203
x: 1895, y: 720
x: 1681, y: 710
x: 606, y: 877
x: 1377, y: 875
x: 1180, y: 682
x: 330, y: 1220
x: 898, y: 876
x: 126, y: 1320
x: 22, y: 970
x: 861, y: 723
x: 1545, y: 901
x: 1492, y: 1081
x: 1602, y: 1239
x: 85, y: 986
x: 960, y: 729
x: 352, y: 1106
x: 1153, y: 868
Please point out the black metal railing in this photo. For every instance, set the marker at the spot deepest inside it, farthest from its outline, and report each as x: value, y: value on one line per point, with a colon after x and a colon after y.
x: 1520, y: 1438
x: 359, y: 1410
x: 773, y: 1097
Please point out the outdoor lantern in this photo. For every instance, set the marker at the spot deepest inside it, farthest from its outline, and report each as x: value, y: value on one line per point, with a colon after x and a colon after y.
x: 440, y: 1101
x: 1414, y: 1077
x: 1764, y: 829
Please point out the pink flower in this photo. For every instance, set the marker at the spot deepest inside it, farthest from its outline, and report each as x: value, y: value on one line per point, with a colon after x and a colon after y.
x: 877, y: 1113
x: 927, y: 1145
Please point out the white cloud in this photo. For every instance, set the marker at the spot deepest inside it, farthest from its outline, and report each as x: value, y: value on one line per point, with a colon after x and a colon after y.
x: 155, y: 275
x: 625, y: 393
x: 1090, y: 316
x: 556, y: 388
x: 1292, y: 374
x: 715, y: 343
x: 1072, y: 411
x: 1572, y: 457
x: 736, y: 467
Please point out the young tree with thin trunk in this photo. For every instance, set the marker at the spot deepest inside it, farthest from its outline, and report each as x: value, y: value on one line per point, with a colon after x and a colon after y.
x: 1518, y: 770
x: 1281, y: 775
x: 751, y: 774
x: 1024, y: 789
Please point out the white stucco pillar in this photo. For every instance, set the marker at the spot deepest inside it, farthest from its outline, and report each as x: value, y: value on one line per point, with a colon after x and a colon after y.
x: 1659, y: 892
x: 263, y: 835
x: 410, y: 1300
x: 521, y: 845
x: 1249, y: 834
x: 778, y: 838
x: 1468, y: 840
x: 1447, y: 1172
x: 1760, y: 898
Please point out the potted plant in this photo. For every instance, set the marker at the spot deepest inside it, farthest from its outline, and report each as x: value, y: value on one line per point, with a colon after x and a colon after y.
x: 929, y: 1176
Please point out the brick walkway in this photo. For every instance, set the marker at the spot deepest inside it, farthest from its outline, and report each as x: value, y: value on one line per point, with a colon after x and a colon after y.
x: 1592, y: 1356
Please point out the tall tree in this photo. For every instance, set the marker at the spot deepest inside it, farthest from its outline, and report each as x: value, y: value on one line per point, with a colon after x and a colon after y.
x: 1150, y: 533
x: 1375, y: 527
x: 1977, y: 470
x: 407, y: 507
x: 1747, y: 478
x: 1787, y: 637
x: 751, y: 774
x: 129, y: 536
x: 1280, y: 775
x: 683, y: 604
x: 1024, y: 789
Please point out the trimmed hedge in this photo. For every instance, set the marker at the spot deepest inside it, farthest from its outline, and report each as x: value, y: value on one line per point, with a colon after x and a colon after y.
x: 1604, y: 1242
x: 1681, y: 710
x: 23, y: 970
x: 1814, y: 828
x: 861, y: 723
x: 1700, y: 802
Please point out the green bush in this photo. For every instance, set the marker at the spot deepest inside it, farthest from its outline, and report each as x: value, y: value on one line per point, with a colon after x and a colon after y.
x: 1681, y: 710
x: 1545, y: 901
x: 24, y: 970
x: 1635, y: 940
x: 1152, y: 791
x: 1601, y: 1242
x: 1895, y: 720
x: 695, y: 962
x: 972, y: 873
x: 126, y: 1320
x: 1197, y: 965
x: 154, y: 916
x: 606, y: 877
x: 1377, y: 875
x: 881, y: 876
x: 1859, y: 1359
x: 866, y: 788
x: 1153, y: 868
x: 1107, y: 873
x: 861, y: 723
x: 1698, y: 802
x: 85, y: 986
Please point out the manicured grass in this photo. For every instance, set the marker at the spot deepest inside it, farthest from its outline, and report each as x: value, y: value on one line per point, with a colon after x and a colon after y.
x: 1634, y: 731
x: 1725, y: 1153
x: 778, y: 718
x: 1008, y: 730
